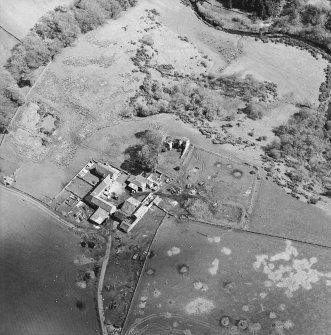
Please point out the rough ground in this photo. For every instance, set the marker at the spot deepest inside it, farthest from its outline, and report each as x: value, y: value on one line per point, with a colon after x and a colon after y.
x: 90, y: 84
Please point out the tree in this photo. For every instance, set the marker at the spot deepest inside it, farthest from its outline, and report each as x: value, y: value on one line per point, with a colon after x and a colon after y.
x: 311, y: 15
x: 17, y: 64
x: 153, y: 139
x: 148, y: 153
x: 37, y: 51
x: 148, y: 158
x: 88, y: 14
x: 58, y: 25
x: 111, y: 7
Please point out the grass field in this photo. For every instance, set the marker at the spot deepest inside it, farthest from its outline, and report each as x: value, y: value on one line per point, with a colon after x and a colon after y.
x: 199, y: 275
x: 40, y: 261
x: 127, y: 256
x: 213, y: 188
x: 280, y: 214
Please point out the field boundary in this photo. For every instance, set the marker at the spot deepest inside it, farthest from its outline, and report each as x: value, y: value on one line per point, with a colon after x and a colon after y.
x: 11, y: 34
x: 142, y: 269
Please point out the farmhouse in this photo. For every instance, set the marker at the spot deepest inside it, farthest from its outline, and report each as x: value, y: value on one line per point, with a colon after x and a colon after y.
x: 102, y: 195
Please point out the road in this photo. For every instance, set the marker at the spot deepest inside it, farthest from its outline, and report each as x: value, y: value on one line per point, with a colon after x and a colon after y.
x: 43, y: 207
x: 100, y: 286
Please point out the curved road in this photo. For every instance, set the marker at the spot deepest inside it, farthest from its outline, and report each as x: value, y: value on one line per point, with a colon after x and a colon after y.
x: 69, y: 225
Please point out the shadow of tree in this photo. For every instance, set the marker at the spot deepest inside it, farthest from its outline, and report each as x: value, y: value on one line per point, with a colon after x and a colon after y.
x: 131, y: 164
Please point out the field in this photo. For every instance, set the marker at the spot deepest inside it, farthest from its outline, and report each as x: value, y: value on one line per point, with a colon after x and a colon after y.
x: 279, y: 214
x: 206, y: 280
x: 127, y: 257
x: 40, y: 261
x: 211, y: 188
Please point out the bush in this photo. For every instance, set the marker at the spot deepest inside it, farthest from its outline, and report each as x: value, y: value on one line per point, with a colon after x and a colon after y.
x: 147, y: 39
x: 14, y: 93
x: 253, y: 111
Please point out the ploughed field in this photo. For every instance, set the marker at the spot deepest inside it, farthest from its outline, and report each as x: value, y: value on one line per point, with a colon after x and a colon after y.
x: 38, y: 291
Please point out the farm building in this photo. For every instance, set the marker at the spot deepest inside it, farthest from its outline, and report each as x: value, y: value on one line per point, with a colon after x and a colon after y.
x: 137, y: 183
x: 101, y: 196
x: 104, y: 170
x: 89, y: 178
x: 99, y: 216
x: 120, y: 216
x: 130, y: 205
x: 79, y: 187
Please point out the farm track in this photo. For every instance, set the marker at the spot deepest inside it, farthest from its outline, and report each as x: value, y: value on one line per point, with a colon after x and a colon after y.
x: 100, y: 286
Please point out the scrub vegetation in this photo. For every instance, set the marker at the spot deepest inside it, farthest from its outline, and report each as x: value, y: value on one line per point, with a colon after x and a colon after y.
x: 54, y: 31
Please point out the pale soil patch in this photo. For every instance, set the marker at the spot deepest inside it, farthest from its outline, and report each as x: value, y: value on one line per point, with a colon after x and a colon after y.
x: 173, y: 251
x: 294, y: 274
x: 214, y: 239
x: 213, y: 269
x: 198, y: 285
x: 226, y: 251
x: 199, y: 306
x: 83, y: 260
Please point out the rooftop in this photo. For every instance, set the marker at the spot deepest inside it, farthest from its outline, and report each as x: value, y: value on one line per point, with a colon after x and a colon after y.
x: 99, y: 216
x: 79, y: 187
x: 130, y: 205
x: 103, y: 170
